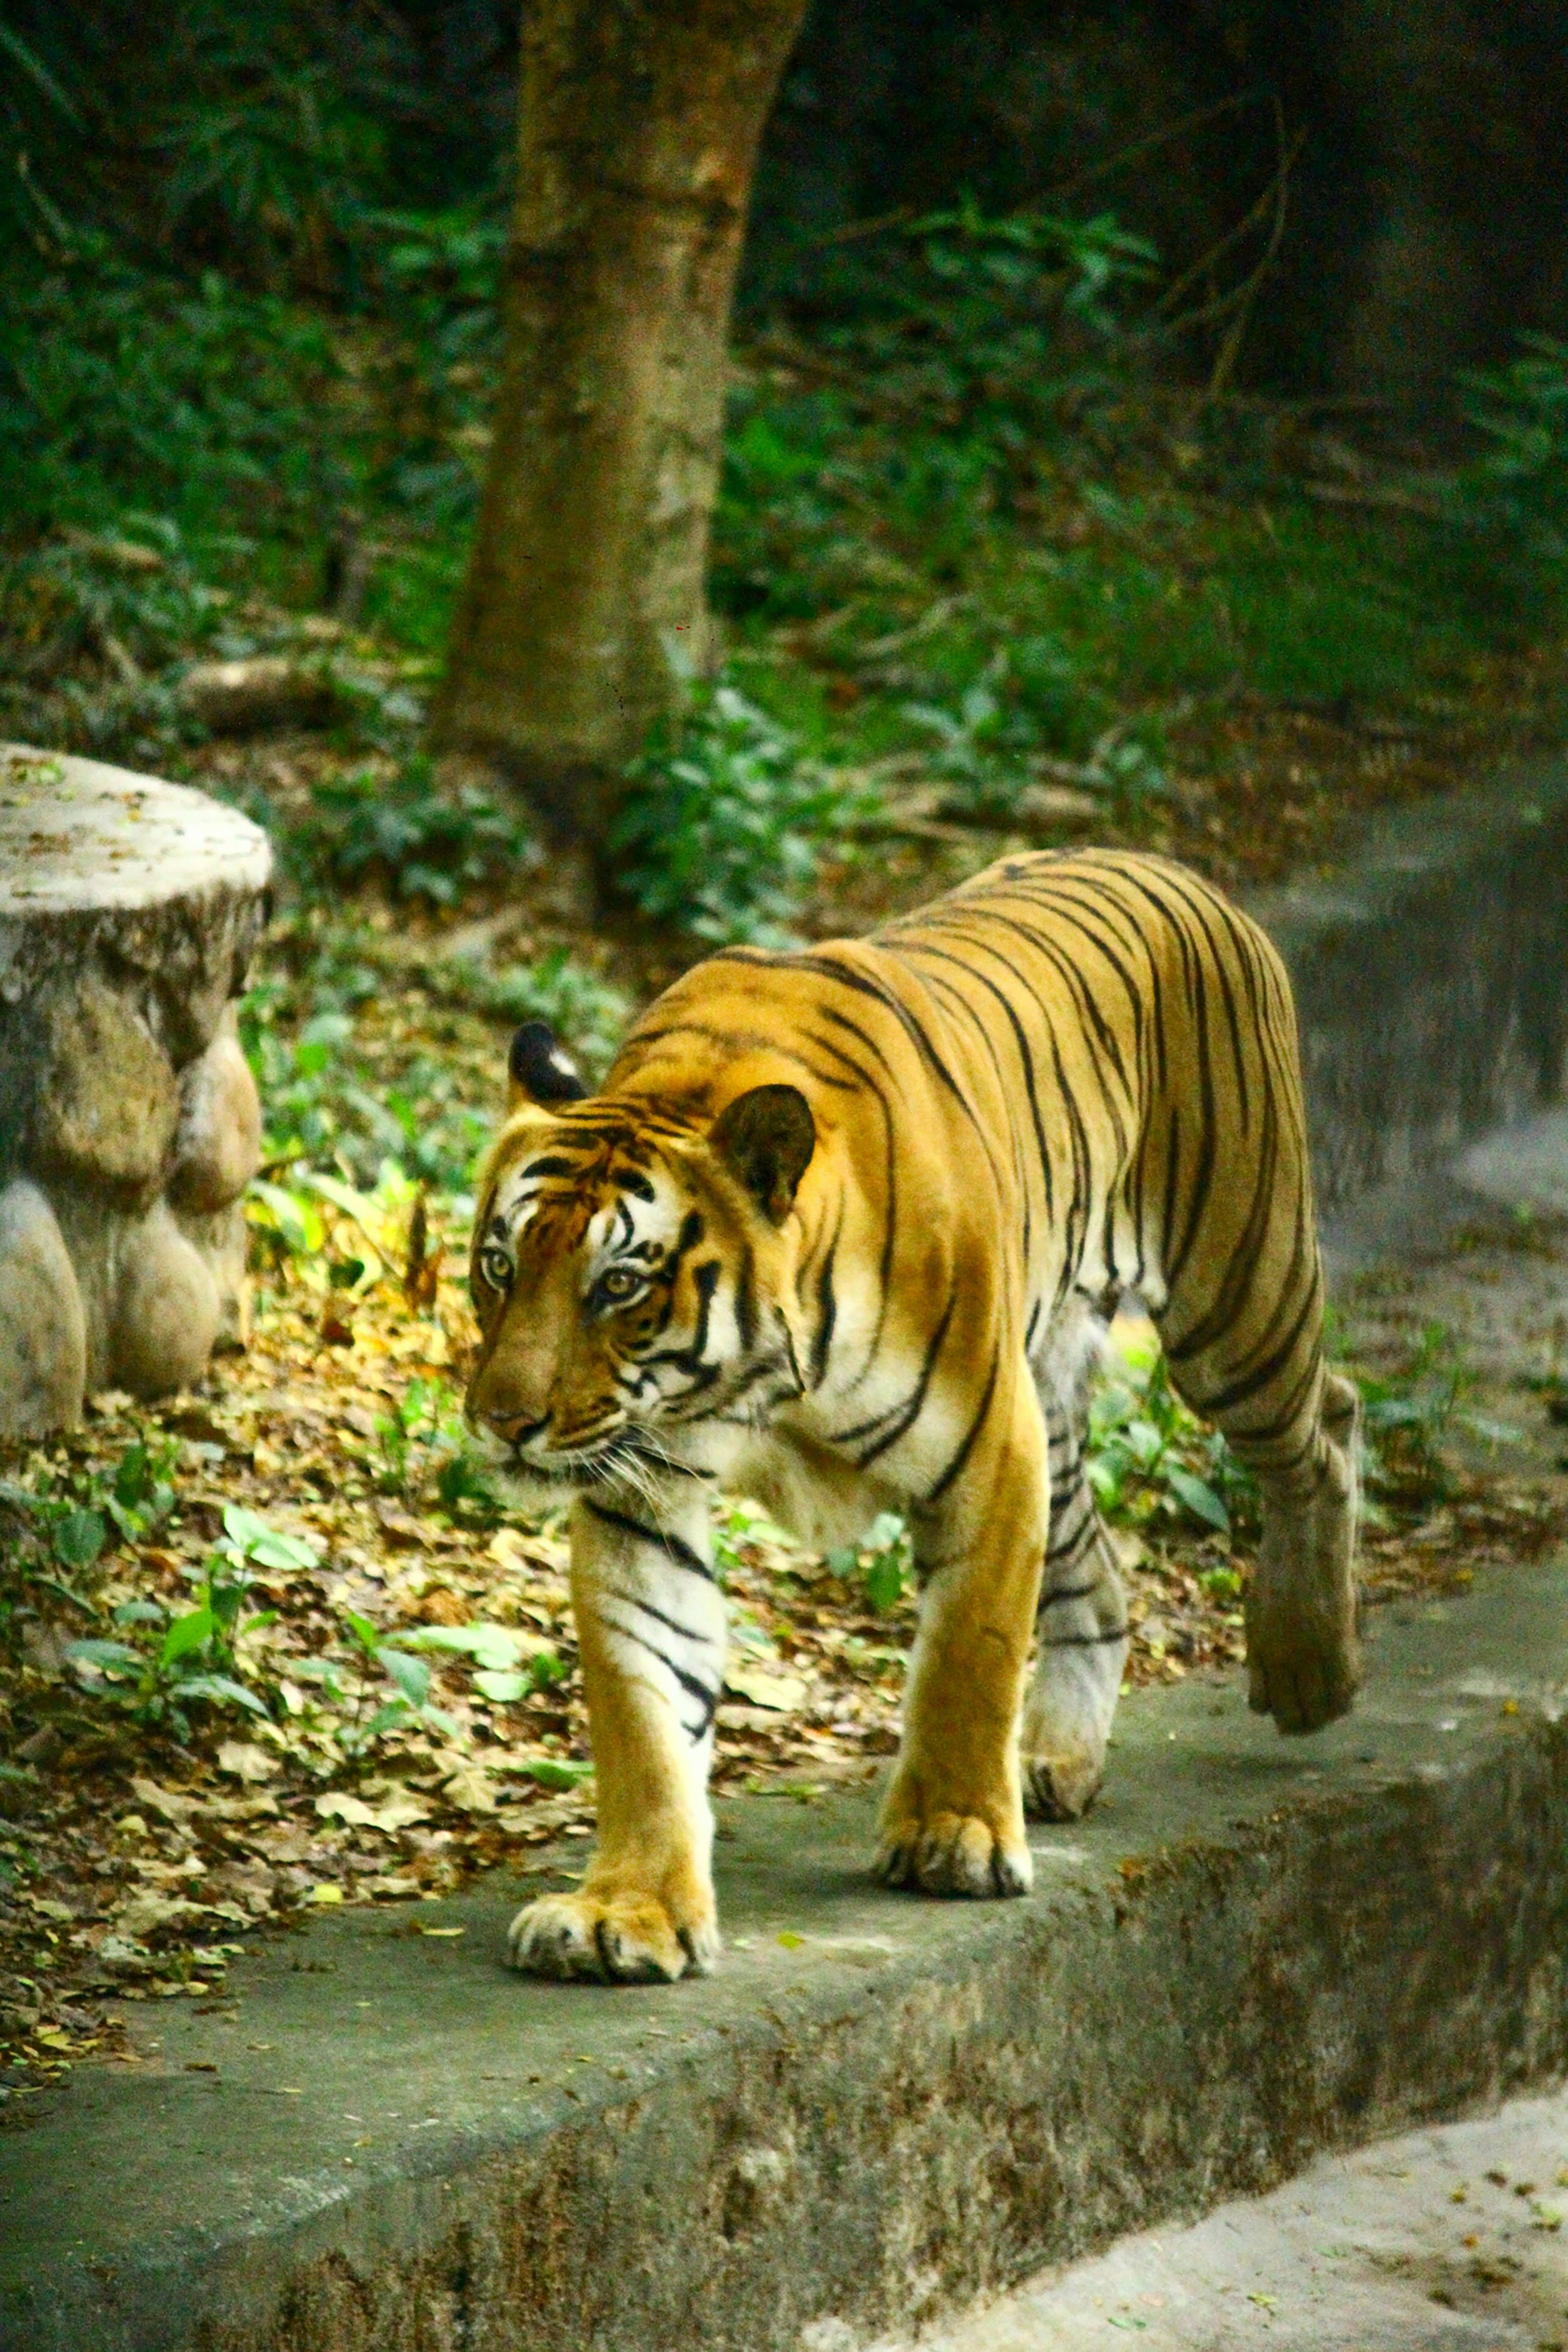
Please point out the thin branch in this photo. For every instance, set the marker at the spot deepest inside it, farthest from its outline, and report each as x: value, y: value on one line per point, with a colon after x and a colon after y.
x: 1155, y: 139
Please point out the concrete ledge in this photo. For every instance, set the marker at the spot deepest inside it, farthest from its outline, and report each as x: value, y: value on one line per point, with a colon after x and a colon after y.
x: 1431, y: 980
x: 884, y: 2105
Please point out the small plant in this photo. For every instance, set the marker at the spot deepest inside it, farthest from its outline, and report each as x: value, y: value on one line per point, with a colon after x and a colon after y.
x: 66, y: 1531
x: 881, y: 1562
x: 1406, y: 1415
x: 1149, y: 1458
x: 425, y: 1442
x: 409, y: 1699
x: 508, y: 1665
x: 197, y: 1659
x: 420, y: 842
x: 722, y: 828
x: 1512, y: 498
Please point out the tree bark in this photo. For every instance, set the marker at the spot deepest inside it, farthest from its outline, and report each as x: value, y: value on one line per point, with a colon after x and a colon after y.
x: 640, y: 123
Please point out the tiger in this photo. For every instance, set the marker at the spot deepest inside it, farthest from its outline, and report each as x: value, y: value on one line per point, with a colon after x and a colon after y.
x: 839, y: 1232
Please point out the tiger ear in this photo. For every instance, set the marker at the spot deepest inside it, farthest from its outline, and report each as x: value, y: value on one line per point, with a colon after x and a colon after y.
x: 539, y: 1070
x: 766, y: 1137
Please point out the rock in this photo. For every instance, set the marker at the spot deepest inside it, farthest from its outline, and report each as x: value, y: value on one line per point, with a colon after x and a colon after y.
x: 217, y: 1148
x: 167, y: 1309
x: 111, y: 1103
x: 129, y: 1121
x: 43, y: 1332
x: 244, y: 698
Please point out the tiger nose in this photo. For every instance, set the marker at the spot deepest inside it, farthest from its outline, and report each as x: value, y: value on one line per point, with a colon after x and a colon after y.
x: 517, y: 1428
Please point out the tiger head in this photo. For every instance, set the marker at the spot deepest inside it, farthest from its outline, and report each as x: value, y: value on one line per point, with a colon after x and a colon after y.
x: 630, y: 1271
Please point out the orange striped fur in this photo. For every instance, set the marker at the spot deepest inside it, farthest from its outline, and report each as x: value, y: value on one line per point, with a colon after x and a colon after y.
x: 837, y: 1231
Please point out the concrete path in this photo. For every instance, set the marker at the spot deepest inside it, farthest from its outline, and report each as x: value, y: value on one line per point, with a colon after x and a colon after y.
x: 1443, y: 2241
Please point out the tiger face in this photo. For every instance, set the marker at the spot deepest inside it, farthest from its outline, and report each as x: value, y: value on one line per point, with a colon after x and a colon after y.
x: 630, y: 1271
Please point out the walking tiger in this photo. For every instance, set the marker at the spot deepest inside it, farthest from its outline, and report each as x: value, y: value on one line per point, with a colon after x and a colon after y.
x: 838, y: 1232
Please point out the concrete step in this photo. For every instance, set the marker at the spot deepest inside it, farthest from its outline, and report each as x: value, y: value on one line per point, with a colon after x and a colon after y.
x: 885, y: 2105
x: 1450, y: 2239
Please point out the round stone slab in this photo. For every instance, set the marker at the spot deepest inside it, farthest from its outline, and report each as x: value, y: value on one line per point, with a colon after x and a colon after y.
x: 75, y: 833
x: 99, y: 864
x: 129, y: 1124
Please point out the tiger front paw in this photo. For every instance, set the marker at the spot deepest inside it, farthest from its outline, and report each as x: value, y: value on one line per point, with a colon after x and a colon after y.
x: 616, y: 1938
x: 947, y: 1852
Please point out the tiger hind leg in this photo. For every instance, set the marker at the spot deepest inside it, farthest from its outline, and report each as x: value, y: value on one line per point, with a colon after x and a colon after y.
x: 1303, y: 1653
x: 1080, y: 1632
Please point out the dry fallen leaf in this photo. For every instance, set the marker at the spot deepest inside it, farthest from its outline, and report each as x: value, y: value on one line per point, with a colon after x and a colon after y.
x: 782, y: 1694
x: 244, y: 1760
x: 470, y: 1789
x: 340, y: 1807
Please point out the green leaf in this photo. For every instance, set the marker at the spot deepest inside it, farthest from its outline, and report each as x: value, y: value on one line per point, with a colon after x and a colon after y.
x: 112, y: 1658
x: 885, y: 1581
x: 412, y: 1675
x: 297, y: 1221
x: 370, y: 1219
x: 79, y: 1537
x: 268, y: 1547
x: 367, y: 1635
x: 556, y: 1771
x: 503, y: 1686
x: 395, y: 1711
x: 185, y: 1635
x: 33, y: 66
x: 495, y: 1647
x: 1198, y: 1498
x: 219, y: 1687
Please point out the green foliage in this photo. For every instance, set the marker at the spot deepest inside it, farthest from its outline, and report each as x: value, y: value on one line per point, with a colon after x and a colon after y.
x: 419, y: 841
x: 193, y: 1658
x: 507, y: 1666
x: 582, y: 1009
x: 881, y: 1562
x: 1150, y: 1460
x: 200, y: 402
x: 67, y: 1520
x: 723, y: 823
x: 423, y: 1443
x: 325, y: 1106
x: 407, y: 1700
x: 1512, y: 500
x: 1407, y: 1415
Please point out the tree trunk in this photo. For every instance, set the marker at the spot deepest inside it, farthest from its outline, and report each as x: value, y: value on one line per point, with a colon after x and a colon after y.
x: 640, y: 122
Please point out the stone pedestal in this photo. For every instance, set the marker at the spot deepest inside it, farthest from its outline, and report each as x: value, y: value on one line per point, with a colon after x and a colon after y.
x: 129, y: 1119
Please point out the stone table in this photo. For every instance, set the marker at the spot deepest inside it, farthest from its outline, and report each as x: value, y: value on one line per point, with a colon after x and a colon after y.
x: 128, y: 1120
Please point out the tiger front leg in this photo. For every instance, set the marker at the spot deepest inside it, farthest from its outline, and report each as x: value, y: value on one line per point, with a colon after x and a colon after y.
x: 952, y: 1819
x: 650, y: 1631
x: 1303, y: 1654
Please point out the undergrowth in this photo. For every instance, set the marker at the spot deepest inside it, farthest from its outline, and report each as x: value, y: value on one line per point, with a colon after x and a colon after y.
x: 965, y: 520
